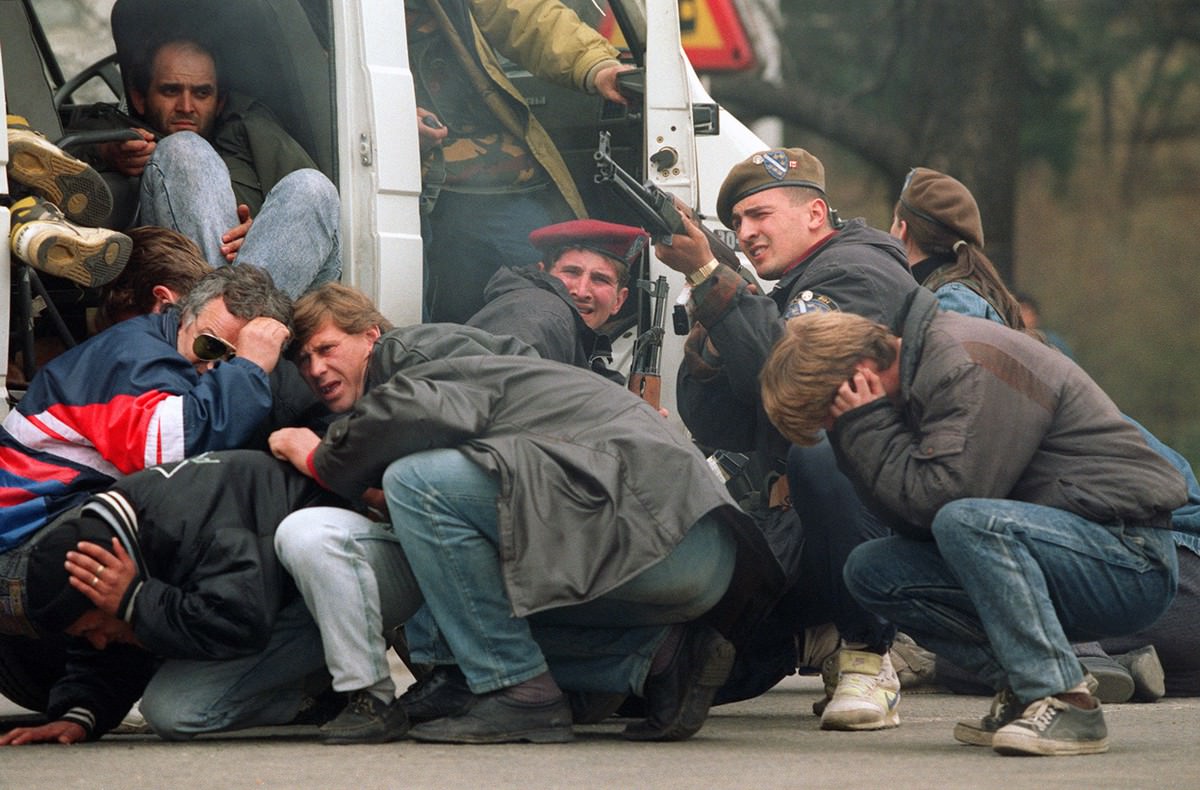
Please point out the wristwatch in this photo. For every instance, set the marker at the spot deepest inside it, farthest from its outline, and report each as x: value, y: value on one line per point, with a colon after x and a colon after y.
x: 702, y: 274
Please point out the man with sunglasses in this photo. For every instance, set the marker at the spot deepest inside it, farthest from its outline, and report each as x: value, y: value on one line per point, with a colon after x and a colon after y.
x: 149, y: 390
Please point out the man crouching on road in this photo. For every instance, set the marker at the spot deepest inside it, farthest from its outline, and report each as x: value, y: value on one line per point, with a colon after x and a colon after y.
x: 169, y: 586
x: 561, y: 532
x: 1027, y: 511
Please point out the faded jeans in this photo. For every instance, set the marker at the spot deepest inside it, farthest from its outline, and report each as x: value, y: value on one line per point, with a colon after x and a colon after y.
x: 295, y: 236
x: 1004, y: 587
x: 355, y: 580
x: 443, y: 507
x: 190, y: 697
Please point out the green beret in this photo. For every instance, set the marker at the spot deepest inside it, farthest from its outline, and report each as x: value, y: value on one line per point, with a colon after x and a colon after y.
x: 942, y: 200
x: 781, y: 167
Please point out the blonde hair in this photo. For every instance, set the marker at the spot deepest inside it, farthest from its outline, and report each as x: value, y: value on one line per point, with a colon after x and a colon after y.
x: 817, y: 353
x: 350, y: 310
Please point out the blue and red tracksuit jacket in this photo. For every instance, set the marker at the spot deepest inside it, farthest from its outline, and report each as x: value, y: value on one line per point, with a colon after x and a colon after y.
x: 123, y: 400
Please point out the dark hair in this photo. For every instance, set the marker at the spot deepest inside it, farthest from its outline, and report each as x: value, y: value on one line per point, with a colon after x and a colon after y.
x: 160, y: 256
x: 141, y: 70
x: 970, y: 264
x: 248, y: 291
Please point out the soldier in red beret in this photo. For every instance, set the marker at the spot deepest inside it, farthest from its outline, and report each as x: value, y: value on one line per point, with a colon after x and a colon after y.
x: 560, y: 305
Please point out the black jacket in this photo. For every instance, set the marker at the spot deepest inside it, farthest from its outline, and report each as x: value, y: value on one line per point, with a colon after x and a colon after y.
x: 201, y: 532
x: 534, y: 306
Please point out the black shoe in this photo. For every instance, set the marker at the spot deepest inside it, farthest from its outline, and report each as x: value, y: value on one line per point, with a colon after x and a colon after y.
x: 444, y: 692
x: 593, y: 707
x: 678, y: 699
x: 366, y: 719
x: 496, y: 718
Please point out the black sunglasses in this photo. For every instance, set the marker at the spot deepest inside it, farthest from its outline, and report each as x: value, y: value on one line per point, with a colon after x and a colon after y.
x: 210, y: 348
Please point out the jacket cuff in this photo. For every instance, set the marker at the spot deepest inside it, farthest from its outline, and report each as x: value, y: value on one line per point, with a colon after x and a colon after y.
x: 713, y: 297
x: 125, y: 608
x: 84, y: 718
x: 589, y: 81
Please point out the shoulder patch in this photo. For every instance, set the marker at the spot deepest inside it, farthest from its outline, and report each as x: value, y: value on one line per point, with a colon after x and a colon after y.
x: 808, y: 302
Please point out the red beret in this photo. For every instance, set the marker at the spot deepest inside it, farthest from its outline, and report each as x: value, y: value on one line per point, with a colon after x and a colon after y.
x: 622, y: 242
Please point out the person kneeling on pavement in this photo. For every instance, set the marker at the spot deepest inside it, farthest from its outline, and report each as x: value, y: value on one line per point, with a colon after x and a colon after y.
x: 169, y: 587
x: 562, y: 535
x: 1027, y: 510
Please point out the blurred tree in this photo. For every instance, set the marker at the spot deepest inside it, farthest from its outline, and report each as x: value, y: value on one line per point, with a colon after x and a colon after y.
x: 938, y: 83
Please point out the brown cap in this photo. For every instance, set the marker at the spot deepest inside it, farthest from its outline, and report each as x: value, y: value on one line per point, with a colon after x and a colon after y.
x: 622, y: 242
x: 938, y: 198
x: 781, y: 167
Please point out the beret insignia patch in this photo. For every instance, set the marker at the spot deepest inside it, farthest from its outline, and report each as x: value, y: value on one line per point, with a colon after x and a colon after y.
x: 776, y: 164
x: 808, y: 302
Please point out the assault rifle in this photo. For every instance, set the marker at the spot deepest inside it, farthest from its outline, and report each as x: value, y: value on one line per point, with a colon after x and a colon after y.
x: 656, y: 210
x: 645, y: 374
x: 658, y: 214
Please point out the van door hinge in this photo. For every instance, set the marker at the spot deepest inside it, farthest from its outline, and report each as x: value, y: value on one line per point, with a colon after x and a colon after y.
x: 364, y: 149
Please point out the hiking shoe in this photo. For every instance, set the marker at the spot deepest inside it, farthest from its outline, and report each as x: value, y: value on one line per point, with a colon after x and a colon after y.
x: 867, y: 693
x: 497, y: 718
x: 1006, y: 708
x: 1050, y: 726
x: 1114, y: 683
x: 1149, y: 680
x: 42, y: 237
x: 443, y: 692
x: 366, y: 719
x: 915, y: 666
x: 829, y: 679
x: 60, y: 178
x: 678, y: 698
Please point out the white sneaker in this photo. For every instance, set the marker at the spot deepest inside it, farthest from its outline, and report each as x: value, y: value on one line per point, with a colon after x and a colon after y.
x: 867, y: 694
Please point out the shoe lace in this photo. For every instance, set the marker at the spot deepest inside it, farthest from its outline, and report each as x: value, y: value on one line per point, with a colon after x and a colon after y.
x: 362, y: 702
x: 1041, y: 714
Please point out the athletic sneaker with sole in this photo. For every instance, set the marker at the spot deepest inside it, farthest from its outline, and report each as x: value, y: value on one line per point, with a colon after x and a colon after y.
x: 1006, y: 708
x: 60, y: 178
x: 867, y: 695
x: 42, y: 237
x: 1050, y: 726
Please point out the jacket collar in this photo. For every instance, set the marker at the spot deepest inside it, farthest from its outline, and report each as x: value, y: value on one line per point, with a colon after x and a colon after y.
x: 911, y: 324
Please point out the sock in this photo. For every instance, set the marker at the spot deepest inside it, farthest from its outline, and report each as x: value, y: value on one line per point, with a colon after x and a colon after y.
x: 1078, y: 696
x: 535, y: 690
x: 384, y: 691
x: 666, y: 651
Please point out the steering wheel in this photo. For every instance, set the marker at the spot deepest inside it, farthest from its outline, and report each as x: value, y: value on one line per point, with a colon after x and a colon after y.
x: 106, y: 69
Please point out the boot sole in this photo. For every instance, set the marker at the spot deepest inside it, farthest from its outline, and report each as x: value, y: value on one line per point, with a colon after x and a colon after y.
x: 693, y: 711
x: 72, y: 185
x: 972, y: 735
x: 90, y: 260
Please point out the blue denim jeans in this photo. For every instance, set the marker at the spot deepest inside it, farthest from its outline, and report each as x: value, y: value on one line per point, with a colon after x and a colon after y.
x: 469, y: 237
x: 1004, y: 587
x: 835, y: 522
x: 443, y: 508
x: 355, y: 580
x: 190, y: 697
x: 295, y: 236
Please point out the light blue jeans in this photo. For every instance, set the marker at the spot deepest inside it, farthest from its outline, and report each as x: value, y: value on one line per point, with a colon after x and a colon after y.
x: 190, y: 697
x: 443, y: 507
x: 1004, y: 587
x: 295, y: 236
x: 353, y: 575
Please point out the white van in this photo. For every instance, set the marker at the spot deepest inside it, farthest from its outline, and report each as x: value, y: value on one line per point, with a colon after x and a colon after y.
x: 337, y: 74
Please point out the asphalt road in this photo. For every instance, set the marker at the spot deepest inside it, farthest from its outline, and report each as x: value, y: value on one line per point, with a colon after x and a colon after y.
x: 770, y: 742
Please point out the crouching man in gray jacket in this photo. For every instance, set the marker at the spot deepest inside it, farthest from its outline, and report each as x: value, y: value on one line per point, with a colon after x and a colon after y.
x: 1028, y: 512
x: 560, y: 531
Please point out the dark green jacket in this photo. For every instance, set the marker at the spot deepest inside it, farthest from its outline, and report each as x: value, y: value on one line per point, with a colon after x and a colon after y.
x: 256, y: 149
